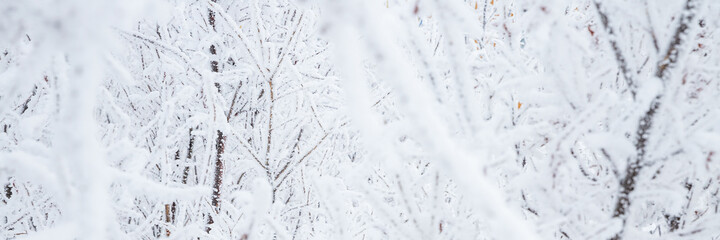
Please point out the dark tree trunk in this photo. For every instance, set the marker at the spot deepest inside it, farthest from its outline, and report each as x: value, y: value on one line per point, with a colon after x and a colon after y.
x: 220, y: 140
x: 628, y: 182
x: 217, y: 182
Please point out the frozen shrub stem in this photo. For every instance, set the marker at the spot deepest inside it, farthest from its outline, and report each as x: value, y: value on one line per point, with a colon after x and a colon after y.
x: 635, y: 166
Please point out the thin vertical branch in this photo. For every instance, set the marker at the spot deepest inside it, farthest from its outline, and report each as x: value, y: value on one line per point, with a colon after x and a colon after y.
x: 619, y: 57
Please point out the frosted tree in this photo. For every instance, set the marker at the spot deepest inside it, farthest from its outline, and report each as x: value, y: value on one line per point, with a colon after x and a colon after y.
x: 487, y: 119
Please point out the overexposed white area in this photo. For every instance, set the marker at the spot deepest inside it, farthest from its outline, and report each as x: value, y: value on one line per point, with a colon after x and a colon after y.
x: 359, y: 119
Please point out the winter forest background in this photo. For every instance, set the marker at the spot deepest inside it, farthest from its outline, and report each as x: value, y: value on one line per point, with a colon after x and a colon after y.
x: 383, y: 119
